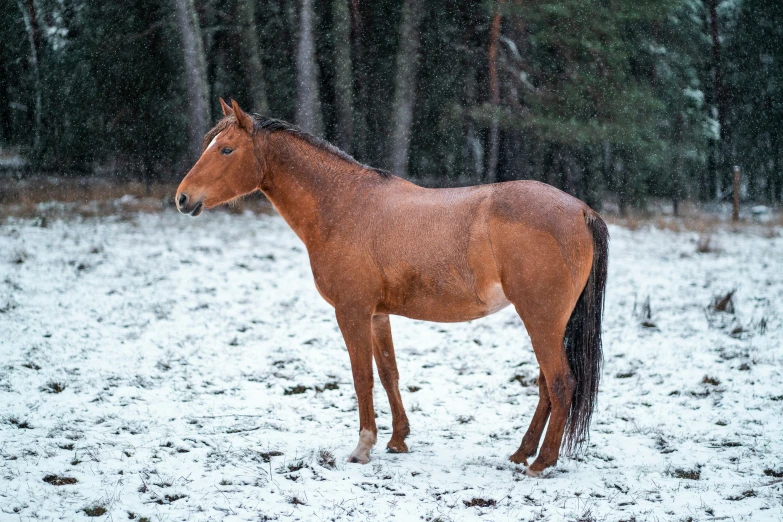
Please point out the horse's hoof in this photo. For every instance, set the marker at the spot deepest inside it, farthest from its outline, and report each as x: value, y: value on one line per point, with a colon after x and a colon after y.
x: 361, y: 455
x: 358, y: 460
x: 518, y: 458
x: 530, y: 473
x: 537, y: 468
x: 397, y: 447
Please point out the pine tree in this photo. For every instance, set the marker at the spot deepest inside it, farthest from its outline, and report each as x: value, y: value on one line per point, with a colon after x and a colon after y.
x: 755, y: 79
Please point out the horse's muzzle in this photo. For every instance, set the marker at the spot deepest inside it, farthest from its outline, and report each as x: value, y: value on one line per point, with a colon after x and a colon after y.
x: 188, y: 207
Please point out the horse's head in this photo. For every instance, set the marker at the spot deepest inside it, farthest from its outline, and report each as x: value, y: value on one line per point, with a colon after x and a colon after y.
x: 227, y: 168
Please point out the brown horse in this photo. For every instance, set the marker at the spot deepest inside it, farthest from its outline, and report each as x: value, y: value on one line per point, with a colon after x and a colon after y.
x: 380, y: 245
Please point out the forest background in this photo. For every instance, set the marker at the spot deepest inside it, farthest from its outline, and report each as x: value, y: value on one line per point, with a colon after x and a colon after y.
x: 615, y: 101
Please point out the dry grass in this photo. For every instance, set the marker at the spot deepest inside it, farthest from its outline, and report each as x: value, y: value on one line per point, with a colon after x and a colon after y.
x: 326, y: 458
x: 693, y: 218
x: 689, y: 474
x: 295, y: 390
x: 706, y: 244
x: 38, y: 189
x: 480, y: 502
x: 701, y: 222
x: 724, y: 302
x: 94, y: 511
x: 710, y: 380
x: 88, y: 197
x: 57, y: 480
x: 54, y: 387
x: 296, y: 500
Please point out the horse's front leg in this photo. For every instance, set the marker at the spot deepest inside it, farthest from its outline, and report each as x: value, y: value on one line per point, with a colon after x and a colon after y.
x: 356, y: 327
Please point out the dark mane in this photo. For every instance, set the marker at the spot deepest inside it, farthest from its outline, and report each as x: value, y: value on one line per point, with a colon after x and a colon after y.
x: 270, y: 125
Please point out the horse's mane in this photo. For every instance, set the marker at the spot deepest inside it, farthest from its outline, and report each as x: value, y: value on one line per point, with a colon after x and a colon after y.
x: 270, y: 125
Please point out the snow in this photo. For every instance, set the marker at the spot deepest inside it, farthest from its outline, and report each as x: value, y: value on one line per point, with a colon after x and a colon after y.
x: 179, y: 342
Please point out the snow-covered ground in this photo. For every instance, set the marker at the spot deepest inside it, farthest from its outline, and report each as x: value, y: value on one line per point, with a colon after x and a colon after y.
x: 183, y: 368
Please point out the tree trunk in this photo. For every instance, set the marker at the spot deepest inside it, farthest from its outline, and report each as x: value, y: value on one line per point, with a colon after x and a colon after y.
x: 622, y: 185
x: 30, y: 17
x: 552, y: 165
x: 343, y: 77
x: 494, y: 97
x: 472, y: 148
x: 360, y: 147
x: 308, y: 102
x: 720, y: 172
x: 254, y: 70
x: 677, y: 170
x: 405, y: 86
x: 6, y: 119
x: 195, y: 75
x: 588, y: 180
x: 606, y: 164
x: 774, y: 171
x: 567, y: 170
x: 538, y: 157
x: 778, y: 196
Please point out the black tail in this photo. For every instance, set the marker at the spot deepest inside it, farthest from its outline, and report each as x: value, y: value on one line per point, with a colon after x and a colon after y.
x: 583, y: 339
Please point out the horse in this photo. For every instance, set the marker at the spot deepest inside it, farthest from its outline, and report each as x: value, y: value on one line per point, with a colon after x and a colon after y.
x: 380, y: 245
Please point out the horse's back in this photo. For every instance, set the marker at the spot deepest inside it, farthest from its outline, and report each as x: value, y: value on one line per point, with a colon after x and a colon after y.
x: 536, y: 204
x: 532, y: 203
x: 452, y: 246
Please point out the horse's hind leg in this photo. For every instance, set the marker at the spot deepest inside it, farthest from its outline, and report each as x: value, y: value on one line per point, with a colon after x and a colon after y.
x: 529, y: 446
x: 544, y: 295
x: 560, y: 385
x: 383, y: 349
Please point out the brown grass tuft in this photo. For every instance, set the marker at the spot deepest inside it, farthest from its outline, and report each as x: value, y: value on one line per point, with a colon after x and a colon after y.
x: 54, y: 387
x: 706, y: 245
x: 57, y: 480
x: 724, y: 303
x: 296, y: 501
x: 295, y: 390
x: 95, y: 511
x: 480, y: 502
x: 689, y: 474
x: 326, y: 459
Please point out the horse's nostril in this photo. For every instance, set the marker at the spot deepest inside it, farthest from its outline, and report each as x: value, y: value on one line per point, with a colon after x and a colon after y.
x: 183, y: 200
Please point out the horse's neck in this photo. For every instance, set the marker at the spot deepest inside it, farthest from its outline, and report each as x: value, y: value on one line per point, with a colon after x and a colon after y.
x: 304, y: 182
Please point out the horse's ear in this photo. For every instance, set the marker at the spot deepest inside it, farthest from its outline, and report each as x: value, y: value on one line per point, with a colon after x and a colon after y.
x: 244, y: 120
x: 227, y: 110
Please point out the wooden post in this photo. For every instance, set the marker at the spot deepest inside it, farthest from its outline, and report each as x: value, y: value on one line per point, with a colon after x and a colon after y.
x: 735, y: 213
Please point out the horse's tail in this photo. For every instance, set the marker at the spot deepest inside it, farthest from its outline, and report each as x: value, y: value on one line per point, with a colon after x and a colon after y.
x: 583, y: 339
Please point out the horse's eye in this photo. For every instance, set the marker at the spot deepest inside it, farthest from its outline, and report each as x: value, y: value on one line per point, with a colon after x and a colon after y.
x: 226, y: 150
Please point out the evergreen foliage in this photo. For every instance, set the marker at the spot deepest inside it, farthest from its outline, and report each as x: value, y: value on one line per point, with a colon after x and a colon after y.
x: 606, y: 99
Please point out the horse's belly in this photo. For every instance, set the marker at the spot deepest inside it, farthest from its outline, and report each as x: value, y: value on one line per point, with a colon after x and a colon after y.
x: 495, y: 299
x: 448, y: 307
